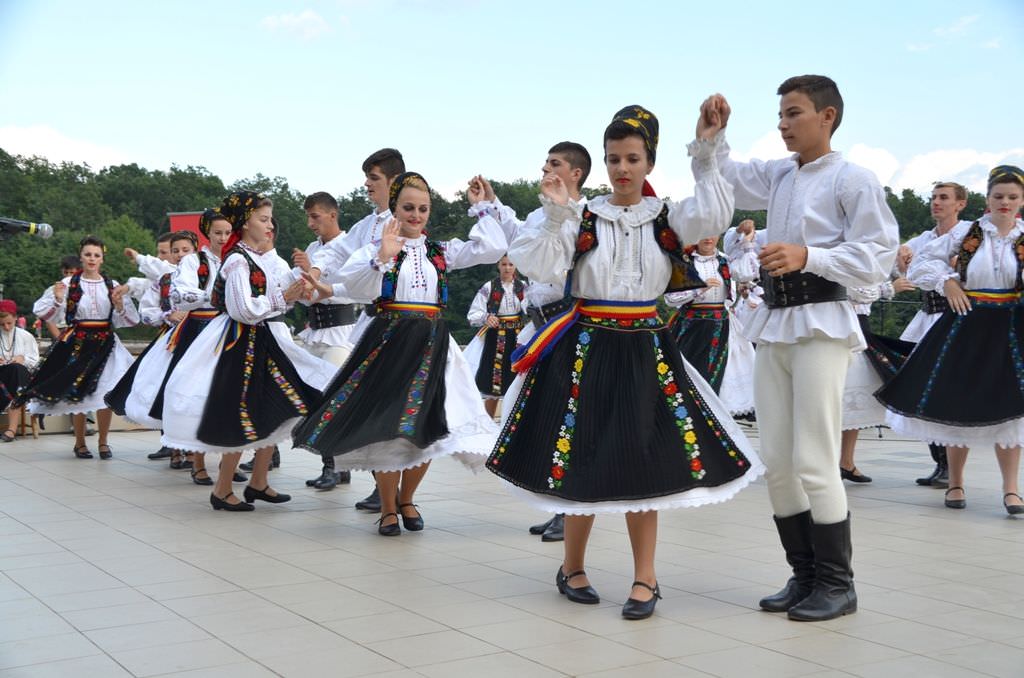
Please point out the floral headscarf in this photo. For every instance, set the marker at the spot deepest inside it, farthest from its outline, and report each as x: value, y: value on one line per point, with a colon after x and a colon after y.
x: 644, y: 122
x: 400, y: 182
x: 1004, y: 174
x: 237, y: 208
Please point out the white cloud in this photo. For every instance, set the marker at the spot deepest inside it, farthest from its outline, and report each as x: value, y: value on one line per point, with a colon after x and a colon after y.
x: 964, y: 165
x: 880, y: 161
x: 767, y: 147
x: 957, y: 27
x: 994, y: 43
x: 306, y: 25
x: 48, y: 143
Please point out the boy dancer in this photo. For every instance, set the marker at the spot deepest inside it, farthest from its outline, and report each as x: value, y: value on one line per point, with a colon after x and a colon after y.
x: 571, y: 163
x: 828, y: 228
x: 380, y: 169
x: 948, y: 200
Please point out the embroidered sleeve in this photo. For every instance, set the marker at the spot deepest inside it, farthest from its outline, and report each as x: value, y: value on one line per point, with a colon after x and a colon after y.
x: 708, y: 213
x: 241, y: 305
x: 486, y: 245
x: 186, y: 295
x: 543, y: 248
x: 931, y: 266
x: 128, y: 316
x: 361, y: 279
x: 46, y: 306
x: 478, y: 309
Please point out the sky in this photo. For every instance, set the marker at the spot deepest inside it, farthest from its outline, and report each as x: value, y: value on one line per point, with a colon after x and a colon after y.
x: 306, y: 89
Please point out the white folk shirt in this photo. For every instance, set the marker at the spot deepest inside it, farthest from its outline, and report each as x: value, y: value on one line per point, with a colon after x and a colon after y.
x: 186, y: 294
x: 836, y: 209
x: 627, y: 264
x: 993, y: 266
x: 241, y: 305
x: 330, y: 336
x: 707, y: 267
x: 333, y: 256
x: 18, y: 342
x: 94, y: 304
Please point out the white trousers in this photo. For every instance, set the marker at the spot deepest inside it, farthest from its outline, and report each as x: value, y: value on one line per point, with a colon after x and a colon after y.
x: 798, y: 393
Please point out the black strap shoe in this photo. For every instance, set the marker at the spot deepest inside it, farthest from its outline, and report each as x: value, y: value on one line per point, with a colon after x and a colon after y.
x: 413, y: 524
x: 392, y: 530
x: 585, y: 595
x: 219, y: 504
x: 642, y: 609
x: 251, y: 494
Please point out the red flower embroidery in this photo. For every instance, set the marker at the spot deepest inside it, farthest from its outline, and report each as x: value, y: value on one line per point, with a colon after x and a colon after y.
x: 725, y: 273
x: 557, y: 472
x: 575, y: 391
x: 79, y: 334
x: 670, y: 388
x: 667, y: 238
x: 439, y: 262
x: 258, y: 278
x: 203, y: 270
x: 695, y: 465
x: 714, y: 341
x: 623, y: 322
x: 585, y: 241
x: 328, y: 416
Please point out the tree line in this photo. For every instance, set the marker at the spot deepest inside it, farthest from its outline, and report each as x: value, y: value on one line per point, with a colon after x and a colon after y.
x: 127, y: 206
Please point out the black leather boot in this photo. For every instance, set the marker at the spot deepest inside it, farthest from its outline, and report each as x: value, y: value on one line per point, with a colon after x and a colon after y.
x: 556, y: 530
x: 275, y: 458
x: 833, y: 594
x: 371, y: 503
x: 541, y: 528
x: 327, y: 479
x: 940, y: 476
x: 795, y: 535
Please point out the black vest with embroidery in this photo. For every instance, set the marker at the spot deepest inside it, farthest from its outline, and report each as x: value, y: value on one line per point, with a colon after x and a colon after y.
x: 684, y: 275
x: 435, y: 255
x: 724, y: 273
x: 498, y: 293
x: 165, y: 292
x: 969, y: 246
x: 74, y: 296
x: 257, y: 281
x: 204, y: 269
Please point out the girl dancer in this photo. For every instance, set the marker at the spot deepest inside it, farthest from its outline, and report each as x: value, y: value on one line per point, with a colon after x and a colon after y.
x: 406, y: 394
x: 963, y: 385
x: 607, y: 417
x: 260, y: 382
x: 87, y: 359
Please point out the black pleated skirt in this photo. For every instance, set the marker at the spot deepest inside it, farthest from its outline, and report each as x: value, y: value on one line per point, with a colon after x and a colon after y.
x: 392, y: 386
x: 13, y: 378
x: 885, y: 354
x: 255, y: 390
x: 494, y: 374
x: 702, y: 335
x: 72, y: 367
x: 610, y: 415
x: 968, y: 370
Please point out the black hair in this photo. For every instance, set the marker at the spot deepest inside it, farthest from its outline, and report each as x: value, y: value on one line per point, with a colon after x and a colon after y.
x: 388, y: 160
x: 91, y: 240
x: 577, y: 157
x: 320, y: 199
x: 165, y: 237
x: 184, y: 235
x: 620, y: 130
x: 821, y: 90
x: 71, y: 261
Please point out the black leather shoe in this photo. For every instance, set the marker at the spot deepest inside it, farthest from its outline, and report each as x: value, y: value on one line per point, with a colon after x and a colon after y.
x: 246, y: 466
x: 275, y: 458
x: 955, y: 503
x: 219, y: 504
x: 162, y: 453
x: 540, y: 528
x: 200, y: 481
x: 392, y: 530
x: 413, y: 524
x: 251, y: 494
x: 581, y: 594
x: 795, y: 535
x: 328, y: 480
x: 642, y: 609
x: 371, y: 503
x: 854, y: 475
x: 1013, y: 509
x: 556, y: 530
x: 106, y: 453
x: 239, y: 478
x: 83, y: 452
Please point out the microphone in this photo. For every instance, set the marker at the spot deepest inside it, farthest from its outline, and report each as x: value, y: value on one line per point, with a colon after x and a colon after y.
x: 17, y: 226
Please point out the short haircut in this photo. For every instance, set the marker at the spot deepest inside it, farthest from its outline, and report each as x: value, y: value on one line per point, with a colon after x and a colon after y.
x: 184, y: 235
x: 576, y: 155
x: 388, y: 160
x: 320, y: 199
x: 90, y: 240
x: 165, y: 237
x: 71, y: 261
x: 821, y: 90
x: 959, y: 192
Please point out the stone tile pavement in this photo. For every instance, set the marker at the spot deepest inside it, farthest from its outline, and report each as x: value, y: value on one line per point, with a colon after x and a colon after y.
x: 120, y: 568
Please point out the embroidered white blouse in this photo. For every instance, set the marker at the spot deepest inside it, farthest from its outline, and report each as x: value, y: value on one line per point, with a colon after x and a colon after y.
x: 835, y: 208
x: 510, y: 304
x: 94, y: 304
x: 241, y: 305
x: 18, y: 342
x: 993, y: 266
x: 707, y: 267
x: 186, y: 294
x: 330, y: 258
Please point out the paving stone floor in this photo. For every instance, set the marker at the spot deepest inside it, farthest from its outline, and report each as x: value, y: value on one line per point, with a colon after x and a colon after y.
x: 120, y: 568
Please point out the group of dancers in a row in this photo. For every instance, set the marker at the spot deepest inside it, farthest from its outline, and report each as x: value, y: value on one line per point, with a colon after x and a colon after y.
x: 602, y: 412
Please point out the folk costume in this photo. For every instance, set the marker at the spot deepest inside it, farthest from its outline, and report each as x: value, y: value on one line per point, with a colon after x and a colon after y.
x: 406, y: 395
x: 88, y: 358
x: 605, y: 415
x: 330, y: 321
x: 489, y: 354
x: 805, y: 332
x: 933, y: 304
x: 15, y: 376
x: 243, y: 383
x: 964, y: 383
x: 701, y: 325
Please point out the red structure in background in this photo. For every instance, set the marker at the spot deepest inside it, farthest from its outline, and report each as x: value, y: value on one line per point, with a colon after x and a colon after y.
x: 187, y: 221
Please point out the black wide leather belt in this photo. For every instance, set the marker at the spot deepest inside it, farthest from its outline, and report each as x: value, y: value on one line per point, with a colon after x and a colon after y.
x: 541, y: 315
x: 933, y: 302
x: 797, y: 289
x: 322, y: 316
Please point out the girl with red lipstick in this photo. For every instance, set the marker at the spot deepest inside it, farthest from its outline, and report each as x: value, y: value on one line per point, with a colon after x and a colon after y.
x: 606, y: 416
x: 963, y: 386
x: 87, y: 359
x: 243, y: 383
x: 406, y: 394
